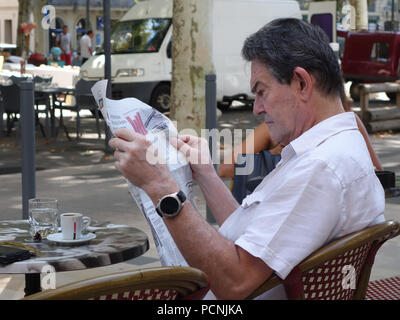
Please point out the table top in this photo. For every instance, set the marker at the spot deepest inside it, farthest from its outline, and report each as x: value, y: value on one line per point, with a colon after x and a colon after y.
x: 53, y: 89
x: 113, y: 244
x: 63, y: 76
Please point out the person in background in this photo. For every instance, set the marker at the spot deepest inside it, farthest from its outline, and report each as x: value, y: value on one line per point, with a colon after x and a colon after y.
x: 261, y: 140
x: 374, y: 157
x: 86, y: 46
x: 258, y: 140
x: 64, y: 42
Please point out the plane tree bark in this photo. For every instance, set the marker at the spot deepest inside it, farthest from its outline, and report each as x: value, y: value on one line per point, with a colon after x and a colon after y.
x: 191, y: 61
x: 24, y: 12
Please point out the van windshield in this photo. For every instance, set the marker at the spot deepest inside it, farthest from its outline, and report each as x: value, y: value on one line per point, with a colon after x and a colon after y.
x: 139, y: 36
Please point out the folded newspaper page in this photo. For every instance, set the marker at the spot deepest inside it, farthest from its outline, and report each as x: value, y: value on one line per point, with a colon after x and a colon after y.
x: 135, y: 115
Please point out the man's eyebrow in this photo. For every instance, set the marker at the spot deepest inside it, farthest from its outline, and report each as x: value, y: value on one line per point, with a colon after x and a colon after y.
x: 254, y: 88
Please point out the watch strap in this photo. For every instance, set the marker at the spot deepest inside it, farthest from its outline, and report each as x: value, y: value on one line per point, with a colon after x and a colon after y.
x: 181, y: 196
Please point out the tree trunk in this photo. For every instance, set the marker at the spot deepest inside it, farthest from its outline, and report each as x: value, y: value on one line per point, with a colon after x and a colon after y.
x: 191, y: 61
x: 40, y: 32
x: 24, y: 12
x: 361, y: 15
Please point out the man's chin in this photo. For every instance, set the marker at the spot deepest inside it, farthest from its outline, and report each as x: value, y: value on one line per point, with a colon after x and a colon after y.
x: 275, y: 135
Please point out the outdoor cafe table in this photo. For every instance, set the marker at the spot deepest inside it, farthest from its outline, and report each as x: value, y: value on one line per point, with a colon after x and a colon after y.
x: 52, y: 92
x: 113, y: 244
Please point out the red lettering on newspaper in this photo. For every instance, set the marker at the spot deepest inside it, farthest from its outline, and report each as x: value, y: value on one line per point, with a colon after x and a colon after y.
x: 137, y: 124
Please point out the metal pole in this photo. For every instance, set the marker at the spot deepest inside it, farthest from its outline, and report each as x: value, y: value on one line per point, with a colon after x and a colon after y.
x: 88, y: 26
x: 392, y: 22
x: 211, y: 123
x: 27, y: 144
x: 107, y: 63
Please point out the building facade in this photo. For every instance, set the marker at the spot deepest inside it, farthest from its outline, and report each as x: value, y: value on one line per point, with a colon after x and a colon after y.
x: 8, y: 21
x: 73, y: 14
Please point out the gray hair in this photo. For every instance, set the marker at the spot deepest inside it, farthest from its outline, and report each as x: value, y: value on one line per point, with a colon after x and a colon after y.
x: 284, y: 44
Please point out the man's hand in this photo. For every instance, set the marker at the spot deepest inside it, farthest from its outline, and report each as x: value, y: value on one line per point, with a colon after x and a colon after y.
x: 131, y: 150
x: 197, y: 154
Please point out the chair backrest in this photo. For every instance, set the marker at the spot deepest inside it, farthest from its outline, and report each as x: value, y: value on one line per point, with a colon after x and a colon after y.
x: 337, y: 271
x: 83, y: 95
x: 42, y: 80
x: 9, y: 96
x: 163, y: 283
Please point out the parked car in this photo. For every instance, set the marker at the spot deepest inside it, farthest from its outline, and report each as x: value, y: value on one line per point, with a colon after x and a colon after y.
x: 370, y: 57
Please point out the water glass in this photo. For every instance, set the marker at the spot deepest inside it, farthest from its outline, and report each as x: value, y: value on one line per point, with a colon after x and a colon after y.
x: 43, y: 217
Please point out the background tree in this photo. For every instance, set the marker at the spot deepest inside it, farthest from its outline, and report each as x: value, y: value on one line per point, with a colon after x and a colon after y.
x: 24, y: 16
x: 191, y: 61
x: 360, y: 22
x: 40, y: 33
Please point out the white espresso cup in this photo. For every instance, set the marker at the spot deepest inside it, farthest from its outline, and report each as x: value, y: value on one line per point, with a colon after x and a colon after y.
x: 72, y: 225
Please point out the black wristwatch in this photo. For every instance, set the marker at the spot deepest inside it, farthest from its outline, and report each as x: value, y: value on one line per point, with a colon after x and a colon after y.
x: 170, y: 205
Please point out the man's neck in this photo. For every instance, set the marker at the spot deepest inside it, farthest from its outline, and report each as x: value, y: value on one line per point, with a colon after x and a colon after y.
x: 325, y: 107
x: 317, y: 109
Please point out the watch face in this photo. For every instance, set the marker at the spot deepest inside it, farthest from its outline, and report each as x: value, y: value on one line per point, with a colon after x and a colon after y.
x: 169, y: 205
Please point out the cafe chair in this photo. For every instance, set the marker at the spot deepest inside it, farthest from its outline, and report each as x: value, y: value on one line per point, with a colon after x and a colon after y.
x: 41, y: 98
x: 160, y: 283
x: 1, y: 115
x: 83, y: 100
x: 10, y: 101
x: 9, y: 98
x: 337, y: 271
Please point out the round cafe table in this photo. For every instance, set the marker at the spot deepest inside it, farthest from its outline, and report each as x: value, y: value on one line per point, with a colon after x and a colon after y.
x: 113, y: 244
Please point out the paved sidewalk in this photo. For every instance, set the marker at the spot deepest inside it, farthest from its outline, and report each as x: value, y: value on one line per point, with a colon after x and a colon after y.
x: 84, y: 179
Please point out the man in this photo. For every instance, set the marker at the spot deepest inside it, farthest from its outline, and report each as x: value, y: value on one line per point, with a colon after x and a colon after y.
x: 65, y: 43
x: 86, y: 46
x: 323, y: 188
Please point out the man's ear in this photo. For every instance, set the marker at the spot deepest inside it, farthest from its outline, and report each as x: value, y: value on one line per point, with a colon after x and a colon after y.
x: 303, y: 82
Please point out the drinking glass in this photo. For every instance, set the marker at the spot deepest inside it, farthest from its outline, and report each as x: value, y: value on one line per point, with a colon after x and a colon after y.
x: 43, y: 217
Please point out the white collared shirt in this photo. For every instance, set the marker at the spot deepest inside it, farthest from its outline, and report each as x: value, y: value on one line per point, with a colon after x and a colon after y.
x: 323, y: 188
x: 85, y: 43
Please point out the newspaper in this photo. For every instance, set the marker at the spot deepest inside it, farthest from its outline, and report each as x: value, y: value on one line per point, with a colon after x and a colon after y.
x: 133, y: 114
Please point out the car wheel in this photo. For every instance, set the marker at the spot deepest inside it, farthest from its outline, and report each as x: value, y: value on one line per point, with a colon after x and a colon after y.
x: 161, y: 98
x: 224, y: 105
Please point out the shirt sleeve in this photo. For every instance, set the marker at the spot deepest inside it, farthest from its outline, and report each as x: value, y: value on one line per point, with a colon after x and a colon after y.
x: 291, y: 222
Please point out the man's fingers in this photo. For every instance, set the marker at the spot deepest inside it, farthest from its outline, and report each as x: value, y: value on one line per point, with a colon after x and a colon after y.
x: 176, y: 142
x: 126, y: 134
x: 186, y: 138
x: 117, y: 155
x: 181, y: 146
x: 119, y: 144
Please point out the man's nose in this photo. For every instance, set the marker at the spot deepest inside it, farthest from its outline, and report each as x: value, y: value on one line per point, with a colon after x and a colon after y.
x: 258, y: 106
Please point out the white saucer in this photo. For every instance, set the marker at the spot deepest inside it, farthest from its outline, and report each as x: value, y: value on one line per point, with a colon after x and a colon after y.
x: 57, y: 237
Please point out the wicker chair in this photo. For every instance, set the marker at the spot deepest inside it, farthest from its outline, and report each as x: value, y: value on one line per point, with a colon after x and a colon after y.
x: 338, y: 271
x: 163, y: 283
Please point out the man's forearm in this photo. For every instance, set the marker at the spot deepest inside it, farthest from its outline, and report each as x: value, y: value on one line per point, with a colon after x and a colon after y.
x: 225, y: 264
x: 222, y: 205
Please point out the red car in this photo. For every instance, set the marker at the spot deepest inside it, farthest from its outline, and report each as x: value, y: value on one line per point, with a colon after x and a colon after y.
x: 370, y: 57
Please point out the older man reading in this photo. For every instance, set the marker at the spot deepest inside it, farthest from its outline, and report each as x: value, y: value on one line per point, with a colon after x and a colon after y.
x: 323, y: 188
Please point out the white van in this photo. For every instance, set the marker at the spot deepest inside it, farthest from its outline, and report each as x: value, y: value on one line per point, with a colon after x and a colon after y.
x: 141, y: 49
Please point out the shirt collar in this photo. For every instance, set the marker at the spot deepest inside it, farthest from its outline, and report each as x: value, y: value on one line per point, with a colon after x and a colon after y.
x: 319, y: 133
